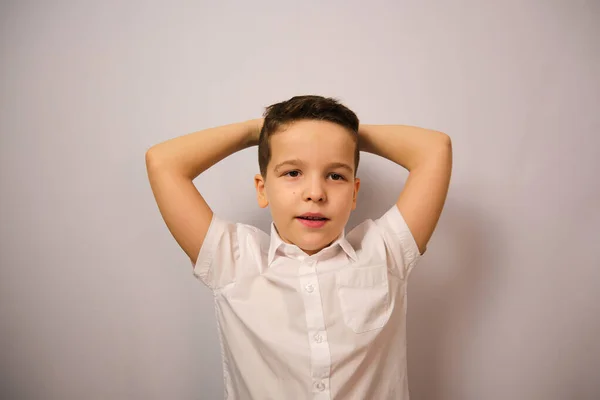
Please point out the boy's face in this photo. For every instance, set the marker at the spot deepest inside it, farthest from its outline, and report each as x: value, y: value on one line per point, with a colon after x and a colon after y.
x: 309, y: 182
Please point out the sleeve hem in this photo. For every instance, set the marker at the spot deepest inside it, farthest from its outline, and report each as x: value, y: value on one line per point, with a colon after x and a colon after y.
x: 398, y: 226
x: 204, y: 262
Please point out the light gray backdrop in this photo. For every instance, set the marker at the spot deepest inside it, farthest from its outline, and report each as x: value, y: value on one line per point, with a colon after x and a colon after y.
x: 97, y: 301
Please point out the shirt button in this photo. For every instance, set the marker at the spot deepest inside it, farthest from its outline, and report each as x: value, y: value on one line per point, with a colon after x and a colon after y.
x: 320, y: 386
x: 318, y: 338
x: 309, y: 288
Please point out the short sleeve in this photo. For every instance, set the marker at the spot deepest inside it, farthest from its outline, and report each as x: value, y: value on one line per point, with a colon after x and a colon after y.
x: 219, y: 255
x: 399, y: 240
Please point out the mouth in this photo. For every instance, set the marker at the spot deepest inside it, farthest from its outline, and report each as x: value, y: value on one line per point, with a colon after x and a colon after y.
x: 312, y: 220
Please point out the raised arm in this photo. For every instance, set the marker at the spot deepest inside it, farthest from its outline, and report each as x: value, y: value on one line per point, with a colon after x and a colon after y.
x: 173, y: 165
x: 427, y: 155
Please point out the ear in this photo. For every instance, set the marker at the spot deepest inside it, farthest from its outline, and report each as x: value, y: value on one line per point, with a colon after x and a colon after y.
x: 356, y: 188
x: 261, y: 193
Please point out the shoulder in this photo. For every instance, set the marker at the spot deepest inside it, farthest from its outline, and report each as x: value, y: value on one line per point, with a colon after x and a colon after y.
x: 229, y: 248
x: 225, y: 231
x: 386, y: 239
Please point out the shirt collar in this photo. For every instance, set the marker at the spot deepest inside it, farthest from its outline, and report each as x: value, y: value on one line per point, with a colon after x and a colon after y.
x: 294, y: 251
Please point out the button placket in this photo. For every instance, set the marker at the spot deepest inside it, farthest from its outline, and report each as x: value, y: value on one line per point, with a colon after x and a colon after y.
x: 320, y: 354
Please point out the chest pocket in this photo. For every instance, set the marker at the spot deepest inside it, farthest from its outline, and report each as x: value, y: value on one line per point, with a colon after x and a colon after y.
x: 364, y: 297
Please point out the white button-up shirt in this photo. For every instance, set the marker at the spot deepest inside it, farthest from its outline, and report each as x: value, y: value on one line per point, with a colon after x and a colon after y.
x: 327, y: 326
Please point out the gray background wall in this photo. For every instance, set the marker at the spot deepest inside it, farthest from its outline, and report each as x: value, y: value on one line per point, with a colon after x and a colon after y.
x: 98, y: 302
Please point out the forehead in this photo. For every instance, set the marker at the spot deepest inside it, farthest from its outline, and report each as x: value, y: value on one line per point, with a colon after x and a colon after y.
x: 313, y: 141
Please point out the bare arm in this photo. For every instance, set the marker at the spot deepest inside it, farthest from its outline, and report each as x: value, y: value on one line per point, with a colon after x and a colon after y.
x: 427, y: 155
x: 173, y: 165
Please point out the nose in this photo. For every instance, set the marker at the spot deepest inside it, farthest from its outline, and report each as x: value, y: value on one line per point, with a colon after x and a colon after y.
x: 315, y: 191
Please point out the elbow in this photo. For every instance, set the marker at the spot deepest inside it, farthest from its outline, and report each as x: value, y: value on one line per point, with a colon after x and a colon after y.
x: 444, y: 139
x: 152, y: 158
x: 440, y: 151
x: 444, y: 142
x: 149, y: 157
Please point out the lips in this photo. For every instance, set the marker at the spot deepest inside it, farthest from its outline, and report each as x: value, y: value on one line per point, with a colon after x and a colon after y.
x: 313, y: 217
x: 312, y: 221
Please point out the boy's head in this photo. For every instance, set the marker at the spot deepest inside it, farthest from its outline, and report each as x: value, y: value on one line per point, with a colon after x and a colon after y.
x: 308, y: 154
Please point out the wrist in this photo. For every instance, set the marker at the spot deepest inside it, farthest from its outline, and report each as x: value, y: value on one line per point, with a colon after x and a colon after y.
x: 363, y: 138
x: 253, y: 128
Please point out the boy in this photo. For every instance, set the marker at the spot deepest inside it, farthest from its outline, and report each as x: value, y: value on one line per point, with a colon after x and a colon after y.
x: 307, y: 312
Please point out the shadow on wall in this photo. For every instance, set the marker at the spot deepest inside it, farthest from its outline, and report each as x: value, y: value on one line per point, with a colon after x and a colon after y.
x: 444, y: 292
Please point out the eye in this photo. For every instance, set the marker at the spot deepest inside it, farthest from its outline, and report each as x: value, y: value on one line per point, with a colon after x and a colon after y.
x: 339, y: 177
x: 292, y: 172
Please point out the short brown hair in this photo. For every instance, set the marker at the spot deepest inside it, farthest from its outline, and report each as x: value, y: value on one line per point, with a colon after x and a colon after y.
x: 304, y: 108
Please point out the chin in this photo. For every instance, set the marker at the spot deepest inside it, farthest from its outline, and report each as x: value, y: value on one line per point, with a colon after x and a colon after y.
x: 308, y: 245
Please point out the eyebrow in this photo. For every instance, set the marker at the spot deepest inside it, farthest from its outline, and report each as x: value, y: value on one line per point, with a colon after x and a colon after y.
x: 299, y: 162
